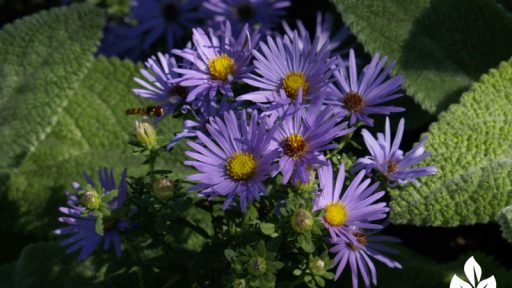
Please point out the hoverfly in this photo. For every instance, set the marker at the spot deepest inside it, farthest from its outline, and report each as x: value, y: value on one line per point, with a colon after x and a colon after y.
x: 153, y: 111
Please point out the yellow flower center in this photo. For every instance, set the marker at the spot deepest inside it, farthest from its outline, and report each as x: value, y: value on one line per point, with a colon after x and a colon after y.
x: 221, y: 67
x: 241, y: 166
x: 295, y: 146
x: 292, y: 82
x: 336, y: 214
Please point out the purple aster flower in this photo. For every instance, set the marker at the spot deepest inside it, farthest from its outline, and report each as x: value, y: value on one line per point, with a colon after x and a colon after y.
x: 324, y: 26
x: 302, y: 136
x: 204, y: 110
x: 258, y: 13
x: 357, y: 207
x: 159, y: 85
x: 169, y: 19
x: 387, y: 157
x: 234, y: 160
x: 364, y: 95
x: 82, y: 228
x: 289, y: 68
x: 357, y: 250
x: 218, y: 60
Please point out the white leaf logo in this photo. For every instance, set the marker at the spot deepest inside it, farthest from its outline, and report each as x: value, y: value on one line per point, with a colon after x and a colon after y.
x: 473, y: 274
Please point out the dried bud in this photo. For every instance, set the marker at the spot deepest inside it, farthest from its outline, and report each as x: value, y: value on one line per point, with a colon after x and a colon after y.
x: 257, y: 266
x: 91, y: 199
x: 163, y: 189
x: 302, y: 221
x: 146, y: 134
x: 317, y: 266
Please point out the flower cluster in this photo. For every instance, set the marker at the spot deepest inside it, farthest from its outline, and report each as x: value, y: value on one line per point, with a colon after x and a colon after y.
x: 297, y: 101
x: 266, y: 112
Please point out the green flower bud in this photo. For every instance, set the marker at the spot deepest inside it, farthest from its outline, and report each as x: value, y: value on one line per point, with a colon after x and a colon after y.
x: 146, y: 134
x: 239, y: 283
x: 257, y: 266
x: 91, y: 199
x: 310, y: 185
x: 163, y: 189
x: 317, y: 266
x: 302, y: 221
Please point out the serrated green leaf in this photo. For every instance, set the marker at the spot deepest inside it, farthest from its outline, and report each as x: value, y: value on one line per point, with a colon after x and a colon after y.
x: 471, y: 149
x: 91, y: 132
x: 441, y: 46
x: 504, y: 218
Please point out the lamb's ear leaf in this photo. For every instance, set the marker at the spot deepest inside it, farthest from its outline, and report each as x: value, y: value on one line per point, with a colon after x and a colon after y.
x: 440, y: 46
x: 92, y: 131
x: 470, y: 146
x: 504, y: 218
x: 43, y: 58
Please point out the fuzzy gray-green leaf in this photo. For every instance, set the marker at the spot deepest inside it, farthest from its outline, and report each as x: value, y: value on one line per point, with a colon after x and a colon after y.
x: 470, y: 146
x: 91, y: 132
x: 441, y: 46
x: 43, y: 58
x: 504, y: 218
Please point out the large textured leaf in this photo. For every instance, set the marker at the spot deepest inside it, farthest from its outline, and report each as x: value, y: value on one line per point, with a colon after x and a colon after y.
x: 504, y: 218
x: 91, y: 132
x: 441, y: 46
x: 471, y: 149
x: 42, y: 60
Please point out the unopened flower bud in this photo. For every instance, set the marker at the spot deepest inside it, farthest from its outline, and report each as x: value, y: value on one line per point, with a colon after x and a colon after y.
x: 91, y: 199
x: 257, y: 266
x: 239, y: 283
x: 163, y: 189
x: 317, y: 266
x: 302, y: 221
x: 146, y: 134
x: 310, y: 185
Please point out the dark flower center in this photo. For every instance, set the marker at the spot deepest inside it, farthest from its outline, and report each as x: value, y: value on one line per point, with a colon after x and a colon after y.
x: 244, y: 11
x: 178, y: 90
x: 110, y: 224
x: 392, y: 167
x: 170, y: 11
x: 361, y: 238
x: 353, y: 101
x: 295, y: 146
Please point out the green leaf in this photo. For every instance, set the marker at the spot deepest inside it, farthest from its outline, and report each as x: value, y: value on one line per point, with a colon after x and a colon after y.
x: 92, y: 131
x: 43, y: 59
x: 267, y: 228
x: 471, y: 149
x: 441, y: 46
x: 504, y: 218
